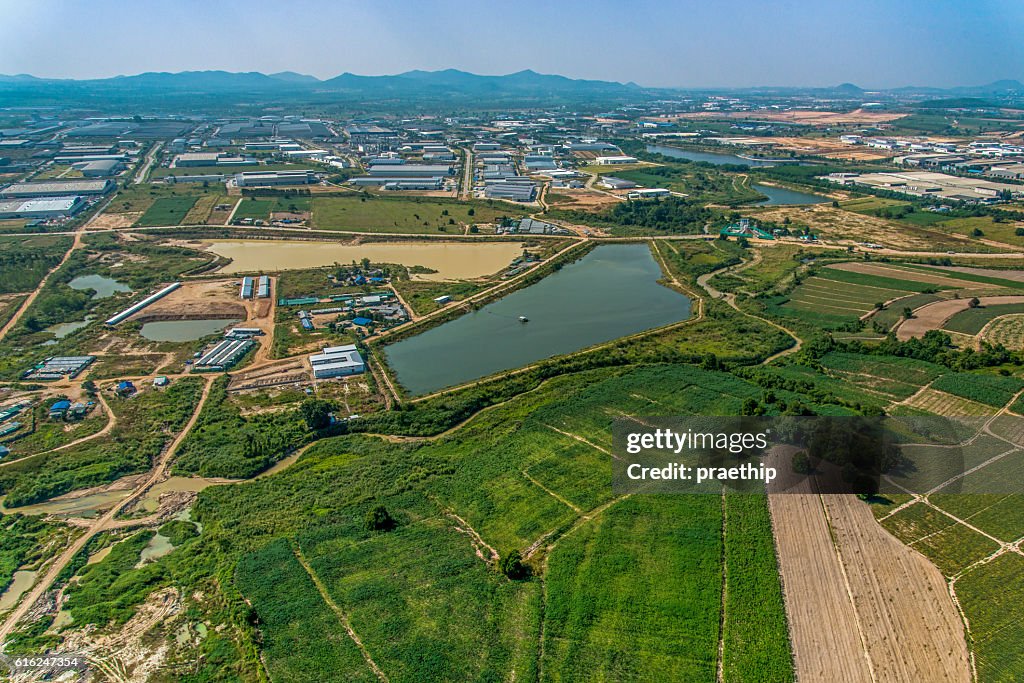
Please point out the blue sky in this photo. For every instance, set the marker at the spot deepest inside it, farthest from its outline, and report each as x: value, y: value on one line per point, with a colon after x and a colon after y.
x: 873, y: 43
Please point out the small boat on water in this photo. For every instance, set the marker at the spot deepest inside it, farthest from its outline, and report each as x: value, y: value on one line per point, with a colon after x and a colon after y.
x: 523, y: 319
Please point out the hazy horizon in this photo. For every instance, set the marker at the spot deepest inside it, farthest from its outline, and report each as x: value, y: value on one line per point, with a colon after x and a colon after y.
x: 729, y: 44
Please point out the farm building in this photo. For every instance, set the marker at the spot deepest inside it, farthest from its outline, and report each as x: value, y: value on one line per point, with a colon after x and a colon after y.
x: 59, y: 367
x: 246, y: 290
x: 224, y: 354
x: 263, y: 287
x: 337, y: 361
x: 58, y: 409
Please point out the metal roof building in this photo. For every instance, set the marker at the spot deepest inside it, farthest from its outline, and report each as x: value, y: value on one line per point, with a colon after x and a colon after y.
x: 58, y: 188
x: 337, y: 361
x: 100, y: 168
x: 410, y: 170
x: 258, y: 178
x: 44, y: 207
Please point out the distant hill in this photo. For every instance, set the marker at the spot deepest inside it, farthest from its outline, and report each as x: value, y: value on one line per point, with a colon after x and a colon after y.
x: 447, y: 83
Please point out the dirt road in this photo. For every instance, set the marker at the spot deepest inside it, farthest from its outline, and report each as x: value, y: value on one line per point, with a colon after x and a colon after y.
x: 35, y: 293
x: 157, y: 474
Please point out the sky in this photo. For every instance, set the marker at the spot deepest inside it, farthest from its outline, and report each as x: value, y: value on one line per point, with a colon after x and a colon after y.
x: 671, y: 43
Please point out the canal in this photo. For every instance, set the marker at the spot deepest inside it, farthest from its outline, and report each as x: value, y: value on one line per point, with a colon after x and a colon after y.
x: 611, y: 292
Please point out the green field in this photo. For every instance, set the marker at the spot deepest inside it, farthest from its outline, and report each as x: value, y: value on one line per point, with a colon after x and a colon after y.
x: 973, y: 320
x: 362, y: 213
x: 256, y: 209
x: 992, y: 390
x: 167, y: 211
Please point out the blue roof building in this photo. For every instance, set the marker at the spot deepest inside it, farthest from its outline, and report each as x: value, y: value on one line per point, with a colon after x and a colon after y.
x: 363, y: 322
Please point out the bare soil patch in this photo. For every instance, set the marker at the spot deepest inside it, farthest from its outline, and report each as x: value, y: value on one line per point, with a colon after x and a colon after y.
x: 934, y: 315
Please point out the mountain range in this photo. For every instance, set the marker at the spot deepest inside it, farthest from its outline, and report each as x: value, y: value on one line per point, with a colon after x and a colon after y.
x: 450, y: 84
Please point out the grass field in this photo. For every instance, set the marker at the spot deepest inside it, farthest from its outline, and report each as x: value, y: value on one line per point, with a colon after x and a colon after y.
x: 1008, y: 331
x: 200, y: 212
x: 25, y: 260
x: 167, y: 211
x: 256, y: 209
x: 972, y: 320
x: 610, y: 613
x: 897, y: 378
x: 359, y: 213
x: 951, y: 546
x: 841, y: 299
x: 993, y: 598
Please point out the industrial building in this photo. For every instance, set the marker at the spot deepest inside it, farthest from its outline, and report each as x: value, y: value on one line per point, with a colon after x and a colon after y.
x: 58, y: 188
x: 264, y: 178
x: 649, y: 193
x: 100, y: 168
x: 616, y: 183
x: 511, y: 190
x: 75, y: 159
x: 44, y: 207
x: 59, y: 367
x: 391, y: 183
x: 337, y: 361
x: 930, y: 184
x: 410, y: 170
x: 614, y: 160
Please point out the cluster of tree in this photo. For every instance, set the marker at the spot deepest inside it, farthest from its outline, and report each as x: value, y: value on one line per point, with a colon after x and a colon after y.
x: 671, y: 214
x: 935, y: 347
x: 24, y: 267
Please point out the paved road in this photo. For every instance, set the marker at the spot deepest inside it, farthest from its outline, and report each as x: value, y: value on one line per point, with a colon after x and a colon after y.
x: 143, y: 172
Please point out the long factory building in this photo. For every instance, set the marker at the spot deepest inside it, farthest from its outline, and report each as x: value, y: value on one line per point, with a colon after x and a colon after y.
x: 224, y: 354
x: 57, y: 188
x: 135, y: 308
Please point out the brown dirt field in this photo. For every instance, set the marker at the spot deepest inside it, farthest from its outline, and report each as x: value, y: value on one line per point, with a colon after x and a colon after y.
x: 579, y: 199
x: 914, y: 631
x: 1014, y: 275
x: 899, y: 273
x: 816, y: 118
x: 865, y: 608
x: 110, y: 221
x: 839, y: 224
x: 934, y: 315
x: 194, y: 300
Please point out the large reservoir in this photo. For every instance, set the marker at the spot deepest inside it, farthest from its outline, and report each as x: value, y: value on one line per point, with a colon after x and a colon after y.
x: 611, y: 292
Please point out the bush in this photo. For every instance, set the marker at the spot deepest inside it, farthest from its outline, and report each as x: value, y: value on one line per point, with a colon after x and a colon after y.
x: 379, y: 519
x: 511, y: 565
